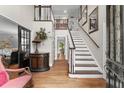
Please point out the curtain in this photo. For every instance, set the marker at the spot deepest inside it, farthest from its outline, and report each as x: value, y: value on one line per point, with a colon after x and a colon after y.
x: 115, y: 34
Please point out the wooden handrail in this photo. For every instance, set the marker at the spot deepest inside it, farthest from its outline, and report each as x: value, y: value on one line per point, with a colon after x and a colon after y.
x: 71, y: 40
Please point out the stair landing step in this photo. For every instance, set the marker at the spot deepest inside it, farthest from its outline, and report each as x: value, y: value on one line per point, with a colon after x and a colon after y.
x: 87, y: 72
x: 86, y: 65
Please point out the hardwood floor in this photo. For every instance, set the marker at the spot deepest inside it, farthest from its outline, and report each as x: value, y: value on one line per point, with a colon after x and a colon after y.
x: 57, y: 77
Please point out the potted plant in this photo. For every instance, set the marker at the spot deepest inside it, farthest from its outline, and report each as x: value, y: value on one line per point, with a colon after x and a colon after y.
x: 41, y: 35
x: 61, y: 46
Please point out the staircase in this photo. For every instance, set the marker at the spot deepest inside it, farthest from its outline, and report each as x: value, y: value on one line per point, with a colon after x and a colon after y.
x: 84, y: 63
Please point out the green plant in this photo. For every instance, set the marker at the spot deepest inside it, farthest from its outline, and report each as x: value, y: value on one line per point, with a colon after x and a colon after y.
x: 61, y: 46
x: 41, y: 35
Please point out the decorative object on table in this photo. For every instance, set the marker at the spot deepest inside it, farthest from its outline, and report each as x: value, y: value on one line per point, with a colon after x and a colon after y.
x: 84, y: 15
x: 40, y: 36
x: 93, y: 21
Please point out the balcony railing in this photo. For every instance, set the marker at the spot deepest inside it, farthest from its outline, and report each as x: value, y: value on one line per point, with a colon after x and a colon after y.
x: 61, y: 24
x: 42, y: 13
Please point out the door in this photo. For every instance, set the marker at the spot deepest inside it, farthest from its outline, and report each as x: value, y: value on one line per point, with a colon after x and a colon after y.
x: 23, y: 46
x: 115, y: 47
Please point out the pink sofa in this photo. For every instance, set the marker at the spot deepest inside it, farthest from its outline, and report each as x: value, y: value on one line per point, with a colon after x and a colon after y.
x: 18, y: 82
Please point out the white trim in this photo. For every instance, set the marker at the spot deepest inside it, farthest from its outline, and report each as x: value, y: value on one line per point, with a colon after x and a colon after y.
x: 84, y: 62
x: 89, y: 57
x: 86, y: 68
x: 86, y: 76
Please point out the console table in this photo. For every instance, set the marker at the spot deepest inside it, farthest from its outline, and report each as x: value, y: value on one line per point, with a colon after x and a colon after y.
x: 39, y: 61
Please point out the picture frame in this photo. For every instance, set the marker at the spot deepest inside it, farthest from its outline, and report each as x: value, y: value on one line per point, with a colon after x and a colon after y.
x: 80, y: 13
x: 93, y: 21
x: 84, y: 15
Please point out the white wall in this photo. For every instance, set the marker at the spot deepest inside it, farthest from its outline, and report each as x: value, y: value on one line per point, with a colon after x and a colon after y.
x: 46, y: 45
x: 73, y: 24
x: 61, y: 33
x: 21, y: 14
x: 99, y: 36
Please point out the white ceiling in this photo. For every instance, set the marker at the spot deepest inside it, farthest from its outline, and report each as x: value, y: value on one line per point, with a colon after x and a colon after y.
x: 72, y: 10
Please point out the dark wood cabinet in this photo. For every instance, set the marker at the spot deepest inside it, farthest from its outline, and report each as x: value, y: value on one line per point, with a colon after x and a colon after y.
x: 39, y: 62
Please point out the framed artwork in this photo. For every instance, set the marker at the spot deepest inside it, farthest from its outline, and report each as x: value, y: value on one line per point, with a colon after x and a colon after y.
x: 84, y: 15
x: 80, y: 13
x: 93, y: 21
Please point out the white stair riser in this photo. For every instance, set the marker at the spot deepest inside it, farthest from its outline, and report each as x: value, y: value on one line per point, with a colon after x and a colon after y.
x: 73, y: 33
x: 81, y: 57
x: 86, y: 68
x: 82, y: 49
x: 84, y: 62
x: 76, y: 37
x: 80, y: 45
x: 78, y: 40
x: 85, y: 76
x: 82, y: 52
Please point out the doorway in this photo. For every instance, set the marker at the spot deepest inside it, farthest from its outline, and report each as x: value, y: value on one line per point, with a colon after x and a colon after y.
x: 61, y: 48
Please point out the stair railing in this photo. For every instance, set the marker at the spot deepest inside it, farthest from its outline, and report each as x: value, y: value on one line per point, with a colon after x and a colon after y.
x: 115, y: 74
x: 71, y: 52
x: 61, y: 24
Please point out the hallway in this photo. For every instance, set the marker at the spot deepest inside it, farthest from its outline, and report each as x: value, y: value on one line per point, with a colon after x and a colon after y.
x: 57, y: 77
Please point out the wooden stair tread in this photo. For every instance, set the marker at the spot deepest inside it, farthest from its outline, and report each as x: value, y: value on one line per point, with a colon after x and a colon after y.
x: 81, y: 47
x: 82, y: 54
x: 84, y: 59
x: 86, y: 65
x: 82, y: 50
x: 87, y: 72
x: 78, y: 39
x: 80, y: 44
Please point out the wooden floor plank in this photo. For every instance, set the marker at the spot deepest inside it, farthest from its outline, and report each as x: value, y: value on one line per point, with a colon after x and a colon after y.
x: 57, y: 77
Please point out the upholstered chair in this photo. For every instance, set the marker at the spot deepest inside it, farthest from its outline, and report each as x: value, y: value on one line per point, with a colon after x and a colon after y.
x: 18, y: 82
